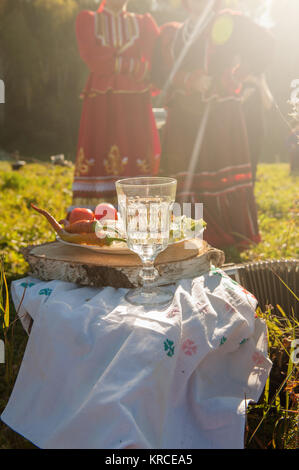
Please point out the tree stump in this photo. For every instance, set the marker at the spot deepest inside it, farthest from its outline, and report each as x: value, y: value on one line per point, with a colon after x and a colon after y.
x: 88, y: 268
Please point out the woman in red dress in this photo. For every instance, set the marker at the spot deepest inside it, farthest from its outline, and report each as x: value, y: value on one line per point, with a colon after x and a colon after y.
x: 200, y: 66
x: 118, y: 136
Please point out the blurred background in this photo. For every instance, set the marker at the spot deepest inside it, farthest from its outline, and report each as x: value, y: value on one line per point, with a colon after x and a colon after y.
x: 44, y: 74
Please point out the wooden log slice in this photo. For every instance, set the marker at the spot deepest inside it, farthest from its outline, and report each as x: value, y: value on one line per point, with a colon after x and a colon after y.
x: 85, y: 267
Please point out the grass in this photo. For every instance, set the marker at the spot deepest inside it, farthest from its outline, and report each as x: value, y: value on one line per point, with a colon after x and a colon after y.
x: 45, y: 185
x: 272, y: 423
x: 277, y: 198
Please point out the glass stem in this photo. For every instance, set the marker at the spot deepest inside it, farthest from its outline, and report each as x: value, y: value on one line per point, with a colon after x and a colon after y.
x: 148, y: 273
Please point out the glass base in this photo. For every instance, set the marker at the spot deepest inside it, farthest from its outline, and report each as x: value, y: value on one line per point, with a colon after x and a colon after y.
x: 156, y: 297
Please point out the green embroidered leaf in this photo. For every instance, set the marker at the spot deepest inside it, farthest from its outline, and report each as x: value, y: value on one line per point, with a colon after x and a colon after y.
x: 216, y: 272
x: 244, y: 341
x: 169, y: 347
x: 27, y: 284
x: 46, y: 292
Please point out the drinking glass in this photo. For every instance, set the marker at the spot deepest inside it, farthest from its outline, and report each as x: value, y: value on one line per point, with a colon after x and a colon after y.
x: 145, y: 205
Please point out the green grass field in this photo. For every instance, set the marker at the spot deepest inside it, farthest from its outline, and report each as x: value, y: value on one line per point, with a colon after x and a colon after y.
x: 50, y: 187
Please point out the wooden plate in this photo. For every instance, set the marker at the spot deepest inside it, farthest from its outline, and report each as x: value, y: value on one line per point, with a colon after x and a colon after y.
x: 116, y: 248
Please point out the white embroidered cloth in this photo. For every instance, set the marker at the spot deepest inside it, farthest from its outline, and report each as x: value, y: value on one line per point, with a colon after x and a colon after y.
x: 100, y: 373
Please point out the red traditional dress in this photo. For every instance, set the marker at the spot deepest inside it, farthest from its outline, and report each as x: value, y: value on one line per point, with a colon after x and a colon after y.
x: 118, y: 136
x: 205, y: 144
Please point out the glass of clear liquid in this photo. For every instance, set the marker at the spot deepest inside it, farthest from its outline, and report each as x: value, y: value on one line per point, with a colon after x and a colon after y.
x: 145, y: 205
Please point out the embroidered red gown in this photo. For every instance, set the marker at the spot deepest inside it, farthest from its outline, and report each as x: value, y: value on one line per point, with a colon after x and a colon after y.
x: 118, y: 136
x: 230, y: 48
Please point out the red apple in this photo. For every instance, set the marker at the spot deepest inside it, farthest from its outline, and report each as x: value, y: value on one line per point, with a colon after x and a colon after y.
x: 80, y: 213
x: 105, y: 211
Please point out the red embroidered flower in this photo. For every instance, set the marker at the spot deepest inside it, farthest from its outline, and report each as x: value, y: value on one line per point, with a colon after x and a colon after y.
x: 189, y: 347
x: 248, y: 293
x: 258, y: 358
x: 172, y: 313
x: 202, y: 309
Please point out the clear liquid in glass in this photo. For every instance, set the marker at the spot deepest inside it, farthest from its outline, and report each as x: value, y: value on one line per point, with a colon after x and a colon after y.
x: 147, y: 223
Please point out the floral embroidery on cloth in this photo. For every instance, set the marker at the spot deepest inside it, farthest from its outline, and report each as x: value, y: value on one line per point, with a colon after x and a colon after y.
x: 230, y: 284
x: 27, y: 284
x: 244, y: 341
x: 189, y: 347
x: 169, y: 347
x: 258, y: 358
x: 143, y: 165
x: 217, y: 272
x: 245, y: 291
x: 120, y: 31
x: 82, y: 165
x: 207, y: 363
x: 115, y: 165
x: 173, y: 312
x: 46, y: 292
